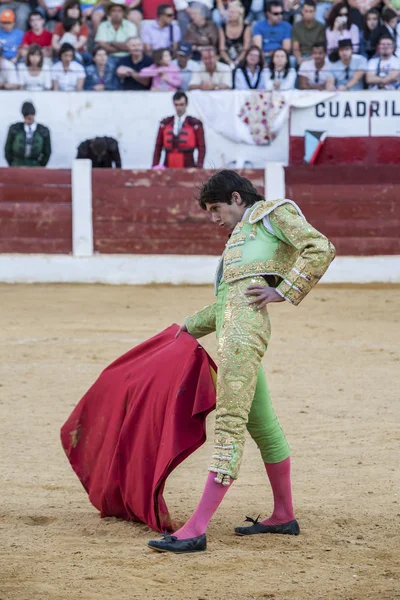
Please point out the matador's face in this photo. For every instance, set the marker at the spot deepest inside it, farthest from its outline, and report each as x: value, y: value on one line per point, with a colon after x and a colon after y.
x: 227, y: 215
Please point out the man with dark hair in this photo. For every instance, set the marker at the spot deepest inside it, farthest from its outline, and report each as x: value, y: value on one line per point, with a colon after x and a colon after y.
x: 162, y: 32
x: 273, y: 33
x: 350, y: 69
x: 28, y: 143
x: 383, y: 71
x: 37, y: 34
x: 316, y: 73
x: 179, y: 136
x: 273, y: 254
x: 102, y: 151
x: 306, y: 33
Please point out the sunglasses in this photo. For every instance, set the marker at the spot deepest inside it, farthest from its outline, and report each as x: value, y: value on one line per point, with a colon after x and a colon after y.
x: 169, y: 14
x: 279, y: 14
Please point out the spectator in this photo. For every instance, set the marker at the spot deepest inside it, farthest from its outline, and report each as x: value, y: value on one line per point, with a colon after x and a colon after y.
x: 21, y: 10
x: 100, y: 74
x: 37, y: 35
x: 32, y: 76
x: 280, y: 76
x: 165, y: 76
x: 186, y: 65
x: 51, y: 10
x: 149, y: 8
x: 306, y: 33
x: 162, y: 32
x: 340, y: 27
x: 359, y: 8
x: 8, y: 74
x: 369, y: 40
x: 128, y: 68
x: 10, y: 37
x: 349, y: 71
x: 179, y: 136
x: 185, y: 8
x: 93, y: 10
x: 388, y: 27
x: 212, y: 74
x: 102, y: 151
x: 72, y: 10
x: 113, y: 33
x: 28, y: 144
x: 67, y: 74
x: 202, y: 32
x: 235, y: 36
x: 383, y: 71
x: 316, y: 74
x: 273, y: 33
x: 250, y: 74
x: 71, y: 35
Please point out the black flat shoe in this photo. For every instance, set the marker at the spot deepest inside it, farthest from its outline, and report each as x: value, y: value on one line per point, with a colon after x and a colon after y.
x: 169, y: 543
x: 289, y: 528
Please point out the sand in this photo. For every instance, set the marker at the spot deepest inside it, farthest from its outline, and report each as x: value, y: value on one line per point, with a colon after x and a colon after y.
x: 332, y: 366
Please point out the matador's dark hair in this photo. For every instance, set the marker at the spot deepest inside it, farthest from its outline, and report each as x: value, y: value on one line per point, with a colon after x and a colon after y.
x: 220, y: 187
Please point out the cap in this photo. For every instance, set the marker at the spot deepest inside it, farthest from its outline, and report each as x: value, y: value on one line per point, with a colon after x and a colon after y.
x: 113, y: 3
x: 185, y: 49
x: 28, y: 109
x: 7, y: 16
x: 345, y: 43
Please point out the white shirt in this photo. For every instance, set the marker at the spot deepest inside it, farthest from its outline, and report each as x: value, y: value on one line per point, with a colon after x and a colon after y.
x: 307, y: 69
x: 178, y: 122
x: 381, y: 67
x: 221, y: 76
x: 8, y: 72
x: 241, y: 82
x: 34, y: 83
x: 67, y: 81
x: 183, y: 4
x: 286, y: 83
x: 31, y: 128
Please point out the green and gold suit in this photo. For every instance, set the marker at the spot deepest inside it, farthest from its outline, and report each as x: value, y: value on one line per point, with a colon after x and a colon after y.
x: 296, y: 256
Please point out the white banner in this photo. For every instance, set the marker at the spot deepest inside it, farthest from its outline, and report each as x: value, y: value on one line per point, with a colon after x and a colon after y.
x: 239, y: 126
x: 351, y: 114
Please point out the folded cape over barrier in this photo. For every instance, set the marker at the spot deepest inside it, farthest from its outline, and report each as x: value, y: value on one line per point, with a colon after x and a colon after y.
x: 142, y: 417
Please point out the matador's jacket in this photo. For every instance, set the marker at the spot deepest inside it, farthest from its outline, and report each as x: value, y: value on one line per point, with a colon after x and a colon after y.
x: 179, y: 149
x: 272, y: 242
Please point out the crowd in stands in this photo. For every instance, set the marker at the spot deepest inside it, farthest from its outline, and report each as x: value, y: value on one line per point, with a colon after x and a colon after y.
x: 135, y: 45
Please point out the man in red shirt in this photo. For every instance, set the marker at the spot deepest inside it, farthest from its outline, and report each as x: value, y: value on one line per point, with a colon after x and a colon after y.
x: 37, y: 34
x: 179, y: 136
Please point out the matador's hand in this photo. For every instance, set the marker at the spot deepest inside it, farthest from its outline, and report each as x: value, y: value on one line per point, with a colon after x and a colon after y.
x: 181, y: 328
x: 262, y: 295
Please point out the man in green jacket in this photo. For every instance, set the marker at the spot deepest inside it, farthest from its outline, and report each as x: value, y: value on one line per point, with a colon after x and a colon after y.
x: 28, y: 144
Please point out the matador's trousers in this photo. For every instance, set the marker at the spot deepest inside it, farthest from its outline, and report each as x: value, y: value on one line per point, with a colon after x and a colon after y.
x: 243, y: 399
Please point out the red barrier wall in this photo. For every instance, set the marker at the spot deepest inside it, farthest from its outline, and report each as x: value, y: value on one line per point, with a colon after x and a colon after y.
x: 35, y: 211
x: 357, y: 207
x: 155, y: 212
x: 350, y: 151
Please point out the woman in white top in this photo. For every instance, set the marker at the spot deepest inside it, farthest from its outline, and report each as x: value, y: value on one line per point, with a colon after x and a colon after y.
x: 32, y: 75
x: 249, y: 75
x: 280, y: 76
x: 67, y: 74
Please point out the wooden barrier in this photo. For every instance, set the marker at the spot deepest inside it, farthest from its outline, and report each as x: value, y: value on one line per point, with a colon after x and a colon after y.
x: 35, y: 211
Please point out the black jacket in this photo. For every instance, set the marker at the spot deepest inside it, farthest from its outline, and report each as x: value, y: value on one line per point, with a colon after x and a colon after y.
x: 105, y: 161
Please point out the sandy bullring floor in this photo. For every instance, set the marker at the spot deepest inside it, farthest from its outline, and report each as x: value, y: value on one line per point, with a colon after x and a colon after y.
x: 333, y: 367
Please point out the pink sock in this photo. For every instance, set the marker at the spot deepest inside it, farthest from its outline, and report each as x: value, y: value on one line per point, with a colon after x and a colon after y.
x: 212, y: 497
x: 279, y: 478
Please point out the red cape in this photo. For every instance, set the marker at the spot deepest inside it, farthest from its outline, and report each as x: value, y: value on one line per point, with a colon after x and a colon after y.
x: 142, y: 417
